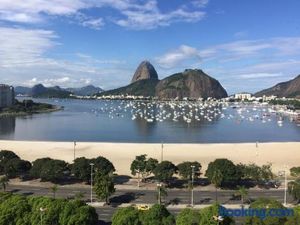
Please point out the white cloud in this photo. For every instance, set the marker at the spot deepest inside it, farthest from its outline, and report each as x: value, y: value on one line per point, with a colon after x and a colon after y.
x: 258, y: 75
x: 48, y: 82
x: 132, y: 14
x: 233, y: 51
x: 200, y: 3
x: 24, y: 61
x: 22, y: 46
x: 177, y: 56
x: 96, y: 24
x: 146, y: 20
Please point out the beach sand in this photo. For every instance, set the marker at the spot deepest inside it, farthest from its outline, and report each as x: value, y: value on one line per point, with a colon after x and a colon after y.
x: 281, y: 155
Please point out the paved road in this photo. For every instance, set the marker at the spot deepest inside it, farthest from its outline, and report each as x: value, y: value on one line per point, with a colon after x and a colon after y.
x: 149, y: 197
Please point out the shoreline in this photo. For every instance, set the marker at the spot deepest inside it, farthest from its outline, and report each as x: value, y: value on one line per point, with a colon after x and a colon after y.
x: 281, y: 154
x: 19, y: 114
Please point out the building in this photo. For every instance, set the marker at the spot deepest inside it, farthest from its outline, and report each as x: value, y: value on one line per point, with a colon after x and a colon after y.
x: 243, y: 96
x: 7, y: 96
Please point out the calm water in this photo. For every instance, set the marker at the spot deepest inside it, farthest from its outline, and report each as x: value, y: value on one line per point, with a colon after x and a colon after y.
x: 120, y: 121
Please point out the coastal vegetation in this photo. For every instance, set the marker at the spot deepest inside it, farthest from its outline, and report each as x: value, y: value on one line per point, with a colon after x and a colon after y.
x: 104, y: 186
x: 27, y: 107
x: 46, y: 169
x: 158, y: 214
x: 19, y: 209
x: 290, y: 103
x: 221, y: 173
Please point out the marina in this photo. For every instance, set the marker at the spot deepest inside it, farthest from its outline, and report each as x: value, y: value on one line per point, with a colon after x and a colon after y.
x: 156, y: 122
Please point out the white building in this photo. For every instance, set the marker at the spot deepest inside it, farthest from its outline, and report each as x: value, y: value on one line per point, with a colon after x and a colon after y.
x: 7, y: 96
x: 243, y: 96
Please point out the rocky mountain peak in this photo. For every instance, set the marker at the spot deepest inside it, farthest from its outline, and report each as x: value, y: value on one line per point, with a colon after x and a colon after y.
x: 145, y: 71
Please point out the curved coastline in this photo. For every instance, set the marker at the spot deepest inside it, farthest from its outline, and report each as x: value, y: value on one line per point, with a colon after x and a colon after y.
x: 18, y: 114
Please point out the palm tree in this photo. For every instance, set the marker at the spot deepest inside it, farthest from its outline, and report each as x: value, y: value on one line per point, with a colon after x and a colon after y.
x: 79, y: 195
x: 54, y: 189
x: 216, y: 180
x: 4, y: 182
x: 243, y: 192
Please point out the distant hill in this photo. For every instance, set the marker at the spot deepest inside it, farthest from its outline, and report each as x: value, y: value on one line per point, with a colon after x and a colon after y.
x: 289, y: 89
x: 19, y: 90
x: 192, y: 83
x: 145, y: 71
x: 85, y: 91
x: 40, y: 90
x: 139, y: 88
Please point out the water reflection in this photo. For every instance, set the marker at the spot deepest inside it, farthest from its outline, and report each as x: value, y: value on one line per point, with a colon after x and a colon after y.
x: 7, y: 125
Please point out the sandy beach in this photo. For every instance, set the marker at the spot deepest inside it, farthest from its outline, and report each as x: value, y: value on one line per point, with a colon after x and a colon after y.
x: 281, y: 155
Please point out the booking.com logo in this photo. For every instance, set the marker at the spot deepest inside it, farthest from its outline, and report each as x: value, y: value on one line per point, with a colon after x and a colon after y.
x: 260, y: 213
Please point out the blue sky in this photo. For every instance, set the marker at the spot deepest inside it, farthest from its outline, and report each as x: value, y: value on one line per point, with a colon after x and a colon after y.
x: 246, y: 45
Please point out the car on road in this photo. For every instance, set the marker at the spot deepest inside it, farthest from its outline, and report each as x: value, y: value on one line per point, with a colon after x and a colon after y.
x: 143, y: 207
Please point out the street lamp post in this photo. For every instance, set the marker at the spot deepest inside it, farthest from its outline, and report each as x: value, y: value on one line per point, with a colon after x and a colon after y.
x: 74, y: 150
x: 193, y: 174
x: 159, y: 194
x: 92, y: 164
x: 162, y: 152
x: 42, y: 210
x: 284, y: 173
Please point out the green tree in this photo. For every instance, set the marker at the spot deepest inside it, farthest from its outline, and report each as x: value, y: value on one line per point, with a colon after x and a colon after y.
x: 6, y: 155
x: 216, y: 180
x: 157, y: 214
x: 54, y: 189
x: 230, y: 172
x: 251, y: 171
x: 209, y: 214
x: 266, y: 204
x: 49, y: 169
x: 266, y: 172
x: 164, y: 171
x: 294, y: 189
x: 185, y: 170
x: 295, y: 219
x: 79, y: 195
x: 142, y: 167
x: 151, y: 165
x: 21, y: 210
x: 4, y: 182
x: 256, y: 173
x: 104, y: 186
x: 16, y: 166
x: 54, y: 170
x: 11, y: 164
x: 126, y: 216
x: 295, y: 172
x: 103, y: 165
x: 37, y: 166
x: 81, y: 169
x: 242, y: 192
x: 138, y: 166
x: 188, y: 217
x: 14, y: 209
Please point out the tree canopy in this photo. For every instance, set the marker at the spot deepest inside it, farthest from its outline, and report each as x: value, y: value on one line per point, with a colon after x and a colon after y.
x: 17, y: 209
x: 185, y: 169
x: 49, y: 169
x: 229, y: 171
x: 164, y: 171
x: 188, y: 217
x: 143, y: 166
x: 11, y: 164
